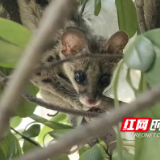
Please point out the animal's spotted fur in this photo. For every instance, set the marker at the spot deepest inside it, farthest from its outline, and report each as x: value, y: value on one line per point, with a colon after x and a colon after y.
x: 54, y: 81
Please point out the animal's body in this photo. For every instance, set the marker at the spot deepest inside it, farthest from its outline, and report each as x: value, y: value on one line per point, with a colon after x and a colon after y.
x: 89, y: 77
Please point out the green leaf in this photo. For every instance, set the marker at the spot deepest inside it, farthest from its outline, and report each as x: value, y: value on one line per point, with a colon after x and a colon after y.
x: 13, y: 39
x: 127, y: 17
x: 28, y: 146
x: 57, y: 133
x: 140, y: 54
x: 51, y: 124
x: 81, y: 2
x: 96, y: 152
x: 97, y: 8
x: 10, y: 146
x: 33, y: 131
x: 60, y: 117
x: 62, y: 157
x: 147, y: 148
x: 126, y: 155
x: 14, y: 33
x: 83, y: 150
x: 15, y: 121
x: 152, y: 75
x: 9, y: 54
x: 2, y: 156
x: 26, y: 108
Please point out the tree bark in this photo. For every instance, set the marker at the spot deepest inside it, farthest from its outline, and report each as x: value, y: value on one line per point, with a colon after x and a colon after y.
x: 152, y: 13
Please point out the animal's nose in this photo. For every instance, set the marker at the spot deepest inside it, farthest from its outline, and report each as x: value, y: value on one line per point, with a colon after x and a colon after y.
x: 91, y: 101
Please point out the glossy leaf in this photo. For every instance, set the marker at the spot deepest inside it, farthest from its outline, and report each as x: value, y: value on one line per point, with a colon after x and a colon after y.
x: 10, y: 146
x: 96, y: 152
x: 32, y: 131
x: 127, y: 17
x: 15, y: 121
x: 140, y: 54
x: 28, y: 146
x: 13, y: 39
x: 97, y: 8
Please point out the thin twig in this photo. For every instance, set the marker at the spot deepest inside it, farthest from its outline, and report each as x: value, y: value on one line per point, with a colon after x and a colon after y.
x: 140, y: 15
x: 98, y: 127
x: 41, y: 103
x: 106, y: 103
x: 52, y: 115
x: 80, y: 56
x: 26, y: 138
x: 51, y: 22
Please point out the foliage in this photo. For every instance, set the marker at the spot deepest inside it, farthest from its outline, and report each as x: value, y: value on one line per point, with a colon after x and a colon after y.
x: 142, y: 55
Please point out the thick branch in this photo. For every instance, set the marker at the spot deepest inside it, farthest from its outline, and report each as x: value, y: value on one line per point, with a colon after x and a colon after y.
x: 140, y: 15
x: 152, y: 14
x: 49, y: 26
x: 75, y: 137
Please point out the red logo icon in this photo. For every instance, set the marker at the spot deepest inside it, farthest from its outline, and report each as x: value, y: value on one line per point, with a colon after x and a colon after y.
x: 135, y: 124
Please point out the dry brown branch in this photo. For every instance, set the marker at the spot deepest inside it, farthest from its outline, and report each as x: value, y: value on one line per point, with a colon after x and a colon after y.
x: 51, y: 22
x: 140, y: 15
x: 75, y: 137
x: 152, y: 13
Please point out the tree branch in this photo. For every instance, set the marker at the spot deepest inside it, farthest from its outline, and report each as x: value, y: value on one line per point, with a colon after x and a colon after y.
x: 152, y: 14
x: 26, y: 138
x: 140, y: 15
x: 80, y: 56
x: 48, y: 28
x: 98, y: 127
x: 73, y: 111
x: 106, y: 103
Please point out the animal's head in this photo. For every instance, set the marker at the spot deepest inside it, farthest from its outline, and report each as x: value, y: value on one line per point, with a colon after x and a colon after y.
x: 91, y: 76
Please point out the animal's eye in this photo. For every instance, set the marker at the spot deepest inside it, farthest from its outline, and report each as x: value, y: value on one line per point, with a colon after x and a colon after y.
x: 80, y: 77
x: 105, y: 80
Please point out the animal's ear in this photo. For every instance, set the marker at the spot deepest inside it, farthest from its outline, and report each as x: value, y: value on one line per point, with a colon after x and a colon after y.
x: 117, y: 42
x: 31, y: 12
x: 73, y: 42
